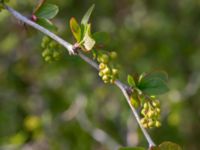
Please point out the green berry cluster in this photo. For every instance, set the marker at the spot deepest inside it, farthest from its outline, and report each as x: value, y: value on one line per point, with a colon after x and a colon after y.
x: 106, y: 72
x: 151, y: 113
x: 51, y: 49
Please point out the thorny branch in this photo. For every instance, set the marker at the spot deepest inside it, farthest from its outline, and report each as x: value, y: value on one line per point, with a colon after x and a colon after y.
x: 69, y: 47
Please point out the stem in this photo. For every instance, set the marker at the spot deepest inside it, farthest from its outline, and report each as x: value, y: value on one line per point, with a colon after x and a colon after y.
x: 69, y: 47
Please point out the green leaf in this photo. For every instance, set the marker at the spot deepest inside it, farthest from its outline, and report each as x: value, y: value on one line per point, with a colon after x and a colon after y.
x: 130, y: 80
x: 46, y: 23
x: 88, y: 41
x: 47, y: 11
x: 153, y: 83
x: 101, y: 38
x: 87, y: 15
x: 169, y: 146
x: 158, y: 74
x: 153, y: 86
x: 75, y: 28
x: 131, y: 148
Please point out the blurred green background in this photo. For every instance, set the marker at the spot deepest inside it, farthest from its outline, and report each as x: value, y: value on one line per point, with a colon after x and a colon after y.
x: 65, y: 106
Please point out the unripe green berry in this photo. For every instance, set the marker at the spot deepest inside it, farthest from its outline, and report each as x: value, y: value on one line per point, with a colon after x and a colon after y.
x: 143, y: 120
x: 112, y: 81
x: 156, y: 103
x: 145, y: 125
x: 52, y: 44
x: 150, y: 114
x: 48, y: 59
x: 158, y: 110
x: 101, y: 74
x: 145, y: 105
x: 105, y: 78
x: 115, y: 71
x: 46, y: 39
x: 46, y: 52
x: 157, y: 124
x: 102, y: 66
x: 106, y: 70
x: 150, y: 124
x: 56, y: 54
x: 104, y: 58
x: 113, y: 55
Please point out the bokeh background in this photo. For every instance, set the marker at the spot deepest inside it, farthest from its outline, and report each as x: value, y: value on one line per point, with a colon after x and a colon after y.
x: 65, y: 106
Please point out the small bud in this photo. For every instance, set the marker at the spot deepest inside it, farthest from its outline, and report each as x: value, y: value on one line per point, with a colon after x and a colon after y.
x: 46, y: 39
x: 100, y: 73
x: 156, y: 103
x: 102, y: 66
x: 158, y: 110
x: 106, y: 70
x: 115, y: 71
x: 52, y: 44
x: 48, y: 59
x: 150, y: 114
x: 150, y: 124
x: 113, y: 55
x: 56, y: 54
x: 104, y: 58
x: 105, y: 77
x: 157, y: 124
x: 145, y: 105
x: 46, y: 52
x: 143, y: 120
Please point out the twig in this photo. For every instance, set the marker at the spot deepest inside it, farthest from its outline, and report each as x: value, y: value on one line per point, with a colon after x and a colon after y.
x: 69, y: 47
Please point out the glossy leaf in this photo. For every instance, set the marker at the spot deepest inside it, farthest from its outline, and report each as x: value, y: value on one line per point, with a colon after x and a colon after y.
x: 101, y: 38
x: 169, y: 146
x: 88, y: 41
x: 47, y: 11
x: 46, y: 23
x: 87, y: 15
x: 131, y: 148
x: 153, y: 83
x: 75, y: 28
x: 153, y: 87
x: 130, y: 80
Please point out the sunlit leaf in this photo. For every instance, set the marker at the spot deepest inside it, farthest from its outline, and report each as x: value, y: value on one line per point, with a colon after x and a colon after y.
x: 47, y: 11
x: 89, y: 42
x: 75, y: 28
x: 46, y: 23
x: 87, y: 15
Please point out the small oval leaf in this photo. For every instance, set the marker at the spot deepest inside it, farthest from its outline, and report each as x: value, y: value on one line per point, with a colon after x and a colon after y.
x: 75, y: 28
x: 47, y: 11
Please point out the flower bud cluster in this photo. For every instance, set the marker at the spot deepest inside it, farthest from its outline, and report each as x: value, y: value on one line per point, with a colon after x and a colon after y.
x: 107, y: 73
x: 51, y: 49
x: 151, y: 114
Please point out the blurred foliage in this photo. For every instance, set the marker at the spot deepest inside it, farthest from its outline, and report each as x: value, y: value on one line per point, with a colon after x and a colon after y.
x: 38, y: 100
